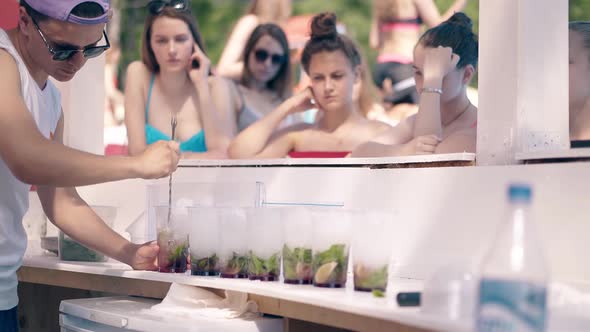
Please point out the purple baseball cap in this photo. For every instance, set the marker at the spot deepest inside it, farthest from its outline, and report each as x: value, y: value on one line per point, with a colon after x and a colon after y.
x: 62, y: 10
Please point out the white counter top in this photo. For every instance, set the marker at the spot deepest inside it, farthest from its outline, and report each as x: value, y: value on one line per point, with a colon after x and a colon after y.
x: 332, y: 162
x: 345, y: 300
x: 565, y: 155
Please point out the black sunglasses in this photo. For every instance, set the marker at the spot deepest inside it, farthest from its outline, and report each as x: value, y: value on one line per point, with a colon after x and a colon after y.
x: 60, y: 54
x: 157, y: 6
x: 276, y: 59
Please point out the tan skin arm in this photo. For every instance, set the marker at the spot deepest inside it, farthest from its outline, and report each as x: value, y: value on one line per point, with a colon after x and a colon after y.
x: 218, y: 132
x: 260, y: 140
x: 438, y: 63
x: 34, y: 159
x: 389, y: 143
x: 374, y: 35
x: 227, y: 102
x: 231, y: 63
x: 69, y: 212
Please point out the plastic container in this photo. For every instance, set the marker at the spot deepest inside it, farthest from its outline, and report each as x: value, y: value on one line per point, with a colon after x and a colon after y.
x: 330, y: 245
x: 265, y: 241
x: 371, y: 249
x: 233, y: 259
x: 297, y: 249
x: 450, y: 293
x: 119, y: 314
x: 204, y: 241
x: 206, y: 194
x: 70, y: 250
x: 173, y: 226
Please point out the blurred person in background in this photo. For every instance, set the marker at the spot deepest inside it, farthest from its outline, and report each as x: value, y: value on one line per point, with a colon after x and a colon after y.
x: 114, y: 98
x: 332, y: 63
x: 265, y: 82
x: 172, y: 82
x: 445, y: 61
x: 395, y: 30
x: 231, y: 64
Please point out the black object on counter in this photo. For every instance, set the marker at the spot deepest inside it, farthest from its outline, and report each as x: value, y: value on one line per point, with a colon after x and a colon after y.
x: 408, y: 299
x: 580, y: 144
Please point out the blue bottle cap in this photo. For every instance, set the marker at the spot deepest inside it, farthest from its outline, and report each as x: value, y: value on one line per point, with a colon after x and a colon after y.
x: 520, y: 193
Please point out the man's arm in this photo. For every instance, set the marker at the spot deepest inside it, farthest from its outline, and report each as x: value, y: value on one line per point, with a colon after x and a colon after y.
x: 69, y: 212
x: 36, y: 160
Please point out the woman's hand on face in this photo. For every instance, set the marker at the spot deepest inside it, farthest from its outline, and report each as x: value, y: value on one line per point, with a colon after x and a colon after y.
x: 439, y: 61
x: 302, y: 101
x: 199, y: 65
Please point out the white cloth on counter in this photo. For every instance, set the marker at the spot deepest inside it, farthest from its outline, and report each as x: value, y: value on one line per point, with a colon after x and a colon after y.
x: 569, y: 308
x: 186, y: 301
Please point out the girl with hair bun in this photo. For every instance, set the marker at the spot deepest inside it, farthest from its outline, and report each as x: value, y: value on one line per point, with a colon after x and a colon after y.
x: 332, y: 63
x: 445, y: 61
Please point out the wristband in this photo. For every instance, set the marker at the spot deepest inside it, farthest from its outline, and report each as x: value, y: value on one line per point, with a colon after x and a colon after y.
x: 432, y: 90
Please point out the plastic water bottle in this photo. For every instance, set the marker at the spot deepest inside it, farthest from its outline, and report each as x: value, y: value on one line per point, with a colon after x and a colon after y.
x: 513, y: 288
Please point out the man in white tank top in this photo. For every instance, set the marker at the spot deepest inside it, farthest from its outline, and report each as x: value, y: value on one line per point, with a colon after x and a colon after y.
x: 55, y: 38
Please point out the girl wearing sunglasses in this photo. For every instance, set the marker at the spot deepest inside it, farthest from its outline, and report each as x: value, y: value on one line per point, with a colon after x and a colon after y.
x: 231, y: 64
x: 332, y: 63
x: 265, y: 81
x: 172, y: 81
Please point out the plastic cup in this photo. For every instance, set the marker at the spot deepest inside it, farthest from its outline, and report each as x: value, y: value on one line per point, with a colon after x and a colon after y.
x: 204, y: 241
x: 233, y: 253
x: 297, y: 250
x: 451, y: 293
x: 330, y: 245
x: 371, y: 249
x: 70, y: 250
x: 265, y: 241
x: 172, y: 226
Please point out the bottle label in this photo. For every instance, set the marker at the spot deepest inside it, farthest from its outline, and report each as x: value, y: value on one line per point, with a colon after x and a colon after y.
x: 511, y: 306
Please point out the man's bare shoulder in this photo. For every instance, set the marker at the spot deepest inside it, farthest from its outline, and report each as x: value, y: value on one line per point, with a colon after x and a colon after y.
x: 10, y: 82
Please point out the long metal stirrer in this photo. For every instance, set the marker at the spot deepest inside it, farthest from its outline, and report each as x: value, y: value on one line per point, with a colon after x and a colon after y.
x: 173, y: 124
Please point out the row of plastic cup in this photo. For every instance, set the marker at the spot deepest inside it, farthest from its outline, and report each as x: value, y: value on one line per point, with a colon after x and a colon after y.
x: 313, y: 244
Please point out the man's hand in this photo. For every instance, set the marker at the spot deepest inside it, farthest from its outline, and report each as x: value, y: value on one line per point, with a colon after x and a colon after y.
x: 144, y: 256
x: 158, y: 160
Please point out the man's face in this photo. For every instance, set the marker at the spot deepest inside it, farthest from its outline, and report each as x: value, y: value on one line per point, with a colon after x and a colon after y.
x: 59, y: 36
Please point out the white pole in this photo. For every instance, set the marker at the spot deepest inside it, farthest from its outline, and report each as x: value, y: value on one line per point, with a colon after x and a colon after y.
x: 83, y: 102
x: 523, y: 82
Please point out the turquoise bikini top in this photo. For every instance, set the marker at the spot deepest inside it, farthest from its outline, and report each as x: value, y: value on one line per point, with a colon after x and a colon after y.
x: 194, y: 144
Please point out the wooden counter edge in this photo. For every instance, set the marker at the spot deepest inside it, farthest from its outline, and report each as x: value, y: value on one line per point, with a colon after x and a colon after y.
x: 158, y: 289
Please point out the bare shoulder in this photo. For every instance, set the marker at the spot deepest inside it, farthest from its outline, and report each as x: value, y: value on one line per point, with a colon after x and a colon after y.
x: 138, y: 70
x: 378, y: 126
x: 10, y: 82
